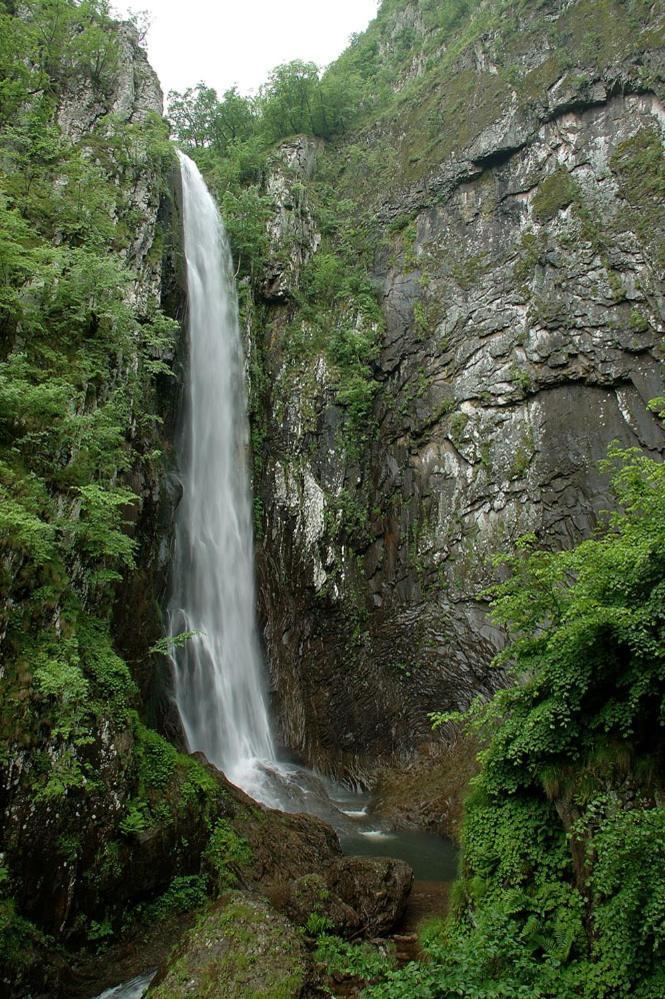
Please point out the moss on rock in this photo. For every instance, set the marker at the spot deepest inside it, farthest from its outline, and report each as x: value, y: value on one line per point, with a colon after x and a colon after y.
x: 240, y: 949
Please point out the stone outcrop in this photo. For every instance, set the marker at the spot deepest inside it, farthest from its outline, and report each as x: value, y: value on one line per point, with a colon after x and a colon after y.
x: 376, y: 887
x: 292, y: 231
x: 241, y: 949
x: 351, y: 896
x: 518, y: 265
x: 310, y: 898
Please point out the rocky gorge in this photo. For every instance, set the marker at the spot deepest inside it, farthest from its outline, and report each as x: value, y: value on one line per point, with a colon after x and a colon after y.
x: 452, y: 304
x: 520, y: 322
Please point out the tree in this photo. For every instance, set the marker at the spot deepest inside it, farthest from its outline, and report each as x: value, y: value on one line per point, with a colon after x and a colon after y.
x: 201, y: 120
x: 296, y: 99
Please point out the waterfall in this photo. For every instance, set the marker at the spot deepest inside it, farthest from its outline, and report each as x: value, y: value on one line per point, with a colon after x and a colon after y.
x: 218, y: 674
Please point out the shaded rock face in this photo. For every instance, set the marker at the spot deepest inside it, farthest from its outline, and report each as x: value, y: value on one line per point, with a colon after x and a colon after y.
x: 310, y: 897
x: 292, y: 231
x: 130, y: 91
x: 354, y: 896
x: 523, y: 315
x: 242, y: 948
x: 377, y: 887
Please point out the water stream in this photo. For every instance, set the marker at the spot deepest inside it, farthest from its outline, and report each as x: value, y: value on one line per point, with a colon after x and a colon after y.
x: 134, y: 989
x: 219, y: 674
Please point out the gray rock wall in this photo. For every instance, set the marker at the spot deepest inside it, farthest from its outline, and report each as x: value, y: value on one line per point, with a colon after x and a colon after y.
x: 523, y: 310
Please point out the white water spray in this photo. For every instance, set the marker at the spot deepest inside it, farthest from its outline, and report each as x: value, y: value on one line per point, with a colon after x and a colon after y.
x: 219, y: 687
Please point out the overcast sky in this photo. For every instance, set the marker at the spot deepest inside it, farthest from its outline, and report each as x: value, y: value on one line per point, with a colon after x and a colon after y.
x: 227, y: 42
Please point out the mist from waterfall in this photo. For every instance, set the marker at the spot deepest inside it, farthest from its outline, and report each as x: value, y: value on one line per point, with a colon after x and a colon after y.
x: 218, y: 674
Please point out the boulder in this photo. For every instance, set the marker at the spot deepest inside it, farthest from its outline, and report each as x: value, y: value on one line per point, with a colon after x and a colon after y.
x: 238, y: 949
x: 310, y: 903
x: 377, y: 888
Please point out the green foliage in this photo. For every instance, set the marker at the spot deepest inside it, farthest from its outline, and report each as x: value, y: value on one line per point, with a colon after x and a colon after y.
x: 555, y: 193
x: 167, y: 785
x: 627, y: 889
x: 563, y: 870
x: 165, y: 646
x: 76, y: 678
x: 134, y: 822
x: 318, y: 925
x: 246, y: 212
x: 231, y: 139
x: 295, y: 99
x: 352, y: 350
x: 339, y: 321
x: 200, y: 119
x: 20, y: 940
x: 225, y: 855
x: 185, y: 893
x: 340, y: 957
x: 78, y: 371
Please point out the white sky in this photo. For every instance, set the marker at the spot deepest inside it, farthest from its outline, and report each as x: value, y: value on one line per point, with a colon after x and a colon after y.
x: 239, y: 41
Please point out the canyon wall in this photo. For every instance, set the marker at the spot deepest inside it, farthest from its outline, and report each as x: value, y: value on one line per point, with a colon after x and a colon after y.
x: 509, y: 218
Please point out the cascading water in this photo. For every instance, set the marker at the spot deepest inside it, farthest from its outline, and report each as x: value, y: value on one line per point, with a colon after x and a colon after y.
x: 219, y: 685
x: 218, y: 673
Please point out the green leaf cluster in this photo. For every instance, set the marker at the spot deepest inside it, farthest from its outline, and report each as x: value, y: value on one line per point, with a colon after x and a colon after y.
x: 225, y: 855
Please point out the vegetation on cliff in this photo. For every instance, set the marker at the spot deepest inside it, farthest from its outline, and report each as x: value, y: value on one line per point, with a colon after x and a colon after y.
x: 562, y: 877
x: 85, y: 351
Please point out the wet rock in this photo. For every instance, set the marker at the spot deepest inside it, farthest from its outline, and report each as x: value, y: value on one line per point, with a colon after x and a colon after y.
x: 376, y: 887
x: 239, y: 949
x: 310, y: 903
x: 428, y: 791
x: 283, y: 846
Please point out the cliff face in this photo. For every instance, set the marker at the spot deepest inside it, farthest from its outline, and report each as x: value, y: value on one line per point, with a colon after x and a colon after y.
x: 86, y: 175
x: 512, y: 197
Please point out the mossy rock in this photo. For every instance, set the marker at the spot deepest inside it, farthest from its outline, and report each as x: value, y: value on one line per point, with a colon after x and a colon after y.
x: 555, y: 193
x: 310, y: 903
x: 239, y: 949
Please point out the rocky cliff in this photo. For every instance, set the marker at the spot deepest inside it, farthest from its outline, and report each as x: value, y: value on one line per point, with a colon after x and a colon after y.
x: 505, y: 212
x: 107, y: 831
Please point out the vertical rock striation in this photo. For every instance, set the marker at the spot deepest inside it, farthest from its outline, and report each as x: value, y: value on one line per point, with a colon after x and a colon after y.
x: 518, y: 236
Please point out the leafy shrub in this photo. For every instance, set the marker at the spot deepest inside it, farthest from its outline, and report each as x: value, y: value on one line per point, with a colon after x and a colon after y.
x: 563, y: 869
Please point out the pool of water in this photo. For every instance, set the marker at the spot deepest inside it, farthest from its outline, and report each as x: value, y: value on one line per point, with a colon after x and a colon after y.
x: 431, y: 857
